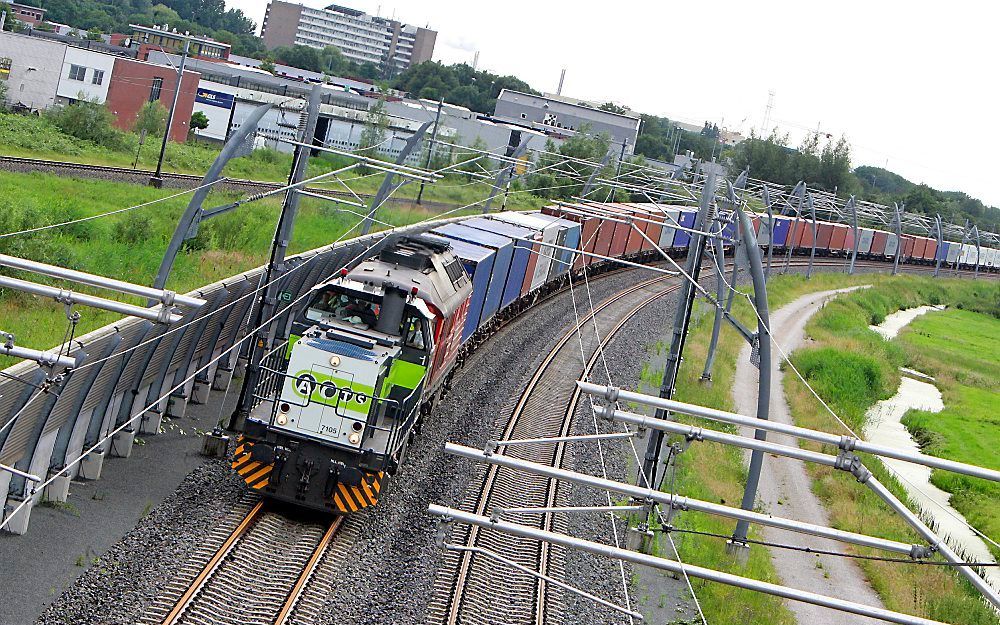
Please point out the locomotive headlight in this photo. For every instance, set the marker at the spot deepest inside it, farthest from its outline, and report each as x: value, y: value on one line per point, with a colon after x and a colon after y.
x: 282, y: 418
x: 354, y: 438
x: 334, y: 361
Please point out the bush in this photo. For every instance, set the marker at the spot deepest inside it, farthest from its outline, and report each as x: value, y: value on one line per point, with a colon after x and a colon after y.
x: 134, y: 228
x: 853, y: 381
x: 88, y: 120
x: 152, y: 118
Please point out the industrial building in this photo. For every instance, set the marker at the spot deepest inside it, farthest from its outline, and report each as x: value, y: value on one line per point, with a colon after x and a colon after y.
x: 563, y: 117
x: 360, y: 37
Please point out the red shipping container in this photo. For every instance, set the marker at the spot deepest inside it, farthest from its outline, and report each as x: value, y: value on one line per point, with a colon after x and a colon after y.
x: 588, y: 229
x: 619, y: 239
x: 804, y: 235
x: 907, y: 246
x: 878, y: 242
x: 849, y: 241
x: 824, y: 236
x: 919, y: 245
x: 652, y: 221
x: 839, y: 238
x: 930, y: 249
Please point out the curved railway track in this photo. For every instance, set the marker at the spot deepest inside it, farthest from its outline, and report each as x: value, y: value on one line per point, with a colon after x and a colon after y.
x: 259, y: 575
x: 474, y: 590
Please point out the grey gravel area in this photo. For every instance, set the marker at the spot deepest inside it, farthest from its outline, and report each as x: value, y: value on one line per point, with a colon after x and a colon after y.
x: 119, y: 584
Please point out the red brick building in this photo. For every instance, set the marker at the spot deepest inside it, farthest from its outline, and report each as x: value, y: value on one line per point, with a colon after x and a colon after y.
x: 28, y: 14
x: 133, y: 83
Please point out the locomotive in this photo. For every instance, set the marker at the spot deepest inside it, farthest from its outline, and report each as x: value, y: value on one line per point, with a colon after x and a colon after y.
x: 365, y: 358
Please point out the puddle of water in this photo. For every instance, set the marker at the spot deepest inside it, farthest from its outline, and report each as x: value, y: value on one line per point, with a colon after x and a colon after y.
x: 895, y: 322
x: 883, y: 426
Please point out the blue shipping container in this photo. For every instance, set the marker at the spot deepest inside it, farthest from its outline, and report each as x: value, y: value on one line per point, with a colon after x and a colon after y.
x: 781, y: 226
x: 504, y: 248
x: 942, y: 251
x: 478, y: 263
x: 686, y: 218
x: 522, y: 253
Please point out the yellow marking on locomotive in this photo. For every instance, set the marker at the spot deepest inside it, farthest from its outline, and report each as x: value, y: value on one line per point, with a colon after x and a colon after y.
x: 349, y: 499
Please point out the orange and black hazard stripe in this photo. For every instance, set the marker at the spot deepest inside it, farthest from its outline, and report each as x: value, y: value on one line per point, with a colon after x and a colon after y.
x: 255, y: 474
x: 348, y: 499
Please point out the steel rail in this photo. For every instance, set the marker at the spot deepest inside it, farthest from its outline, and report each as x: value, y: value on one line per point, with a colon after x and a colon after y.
x: 307, y: 572
x: 199, y: 582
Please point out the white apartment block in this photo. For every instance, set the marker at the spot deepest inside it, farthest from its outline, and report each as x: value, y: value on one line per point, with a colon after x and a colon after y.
x: 360, y: 37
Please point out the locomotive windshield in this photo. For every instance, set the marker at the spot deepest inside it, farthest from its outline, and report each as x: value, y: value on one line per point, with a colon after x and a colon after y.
x: 363, y: 311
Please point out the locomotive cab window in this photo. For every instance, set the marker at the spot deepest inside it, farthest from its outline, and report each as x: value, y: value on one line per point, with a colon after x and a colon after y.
x: 347, y: 307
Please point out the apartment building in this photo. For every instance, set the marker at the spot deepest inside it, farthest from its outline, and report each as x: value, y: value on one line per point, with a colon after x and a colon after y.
x: 361, y: 37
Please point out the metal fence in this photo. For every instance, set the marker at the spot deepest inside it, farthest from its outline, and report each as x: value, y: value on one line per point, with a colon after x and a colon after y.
x: 127, y: 366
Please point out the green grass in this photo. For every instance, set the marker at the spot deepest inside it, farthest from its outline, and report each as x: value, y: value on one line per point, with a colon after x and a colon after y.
x: 130, y: 245
x: 851, y: 367
x: 851, y: 371
x: 37, y: 137
x: 961, y: 349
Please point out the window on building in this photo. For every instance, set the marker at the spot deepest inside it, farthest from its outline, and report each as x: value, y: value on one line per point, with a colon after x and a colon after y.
x: 77, y: 72
x: 98, y: 78
x: 154, y: 91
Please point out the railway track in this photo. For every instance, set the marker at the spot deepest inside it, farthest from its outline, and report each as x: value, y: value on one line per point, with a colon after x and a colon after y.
x: 270, y: 569
x: 260, y: 574
x: 471, y: 589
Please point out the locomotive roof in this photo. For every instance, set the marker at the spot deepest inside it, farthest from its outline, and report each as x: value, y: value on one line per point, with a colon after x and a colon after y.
x: 422, y: 263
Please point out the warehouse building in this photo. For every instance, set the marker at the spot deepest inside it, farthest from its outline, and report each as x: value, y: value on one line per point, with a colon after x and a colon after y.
x: 360, y: 37
x: 562, y: 117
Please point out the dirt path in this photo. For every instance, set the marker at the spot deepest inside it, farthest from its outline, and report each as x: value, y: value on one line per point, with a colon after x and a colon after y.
x: 786, y: 488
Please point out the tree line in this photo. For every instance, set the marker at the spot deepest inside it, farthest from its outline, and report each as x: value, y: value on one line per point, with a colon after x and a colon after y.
x: 819, y: 160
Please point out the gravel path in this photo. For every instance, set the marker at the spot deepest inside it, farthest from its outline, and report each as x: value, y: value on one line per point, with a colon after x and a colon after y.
x: 786, y: 488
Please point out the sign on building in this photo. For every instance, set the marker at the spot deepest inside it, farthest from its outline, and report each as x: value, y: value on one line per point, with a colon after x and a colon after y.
x: 215, y: 98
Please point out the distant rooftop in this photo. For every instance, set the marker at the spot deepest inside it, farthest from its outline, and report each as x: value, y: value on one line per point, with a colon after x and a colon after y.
x: 165, y: 30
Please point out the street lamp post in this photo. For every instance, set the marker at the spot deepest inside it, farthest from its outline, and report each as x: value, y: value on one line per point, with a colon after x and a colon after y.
x: 157, y: 180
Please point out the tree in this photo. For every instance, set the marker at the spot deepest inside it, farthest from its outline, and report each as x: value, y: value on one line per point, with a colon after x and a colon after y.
x: 267, y: 65
x: 199, y: 121
x: 373, y: 135
x: 94, y: 35
x: 459, y: 84
x: 611, y: 107
x: 152, y: 118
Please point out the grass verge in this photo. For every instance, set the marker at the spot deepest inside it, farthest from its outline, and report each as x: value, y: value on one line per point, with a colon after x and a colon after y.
x: 851, y: 367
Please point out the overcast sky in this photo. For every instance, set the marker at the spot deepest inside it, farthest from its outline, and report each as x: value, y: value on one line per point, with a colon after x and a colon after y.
x: 913, y: 85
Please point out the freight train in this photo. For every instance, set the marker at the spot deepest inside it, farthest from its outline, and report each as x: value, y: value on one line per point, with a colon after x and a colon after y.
x: 373, y: 349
